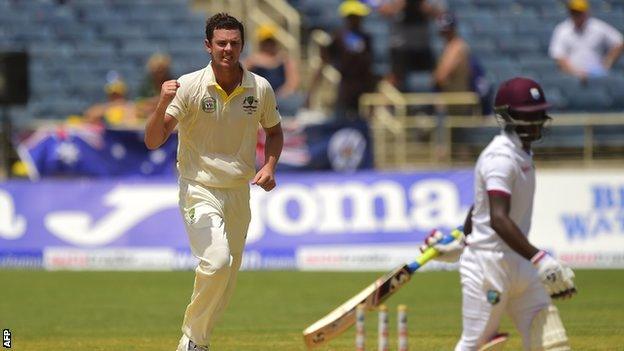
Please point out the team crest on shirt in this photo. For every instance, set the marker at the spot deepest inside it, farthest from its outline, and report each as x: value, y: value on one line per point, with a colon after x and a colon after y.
x: 250, y: 104
x: 493, y: 296
x: 190, y: 216
x: 209, y: 104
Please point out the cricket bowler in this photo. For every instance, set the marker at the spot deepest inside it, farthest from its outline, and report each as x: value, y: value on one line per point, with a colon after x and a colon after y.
x: 217, y: 111
x: 501, y: 272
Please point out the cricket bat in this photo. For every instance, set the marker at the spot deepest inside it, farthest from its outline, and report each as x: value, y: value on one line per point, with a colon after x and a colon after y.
x: 340, y: 319
x: 497, y: 343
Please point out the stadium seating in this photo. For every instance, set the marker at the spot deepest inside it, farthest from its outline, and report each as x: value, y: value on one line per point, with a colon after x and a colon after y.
x: 75, y: 43
x: 522, y: 31
x: 510, y: 37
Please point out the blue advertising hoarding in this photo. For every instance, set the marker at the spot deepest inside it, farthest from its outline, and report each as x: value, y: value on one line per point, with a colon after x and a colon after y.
x: 364, y: 220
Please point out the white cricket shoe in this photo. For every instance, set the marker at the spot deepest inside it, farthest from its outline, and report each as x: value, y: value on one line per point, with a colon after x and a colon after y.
x: 187, y: 345
x: 193, y: 347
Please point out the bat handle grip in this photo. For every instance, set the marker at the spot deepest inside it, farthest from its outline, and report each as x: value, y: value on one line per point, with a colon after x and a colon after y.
x: 431, y: 252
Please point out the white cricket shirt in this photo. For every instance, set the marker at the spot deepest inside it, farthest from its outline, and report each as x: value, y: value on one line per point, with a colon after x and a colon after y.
x: 218, y: 133
x: 584, y: 49
x: 502, y: 167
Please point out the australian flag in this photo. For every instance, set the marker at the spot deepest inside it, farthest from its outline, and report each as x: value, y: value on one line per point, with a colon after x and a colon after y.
x: 94, y: 151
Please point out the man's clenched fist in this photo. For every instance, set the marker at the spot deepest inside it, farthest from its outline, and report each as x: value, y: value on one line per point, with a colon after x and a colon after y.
x: 168, y: 91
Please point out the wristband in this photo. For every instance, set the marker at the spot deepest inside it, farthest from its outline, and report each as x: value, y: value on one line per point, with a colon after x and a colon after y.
x: 538, y: 256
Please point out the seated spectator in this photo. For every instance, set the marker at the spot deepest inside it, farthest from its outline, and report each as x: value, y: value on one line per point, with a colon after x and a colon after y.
x: 273, y: 63
x: 410, y: 47
x: 578, y: 44
x: 158, y: 71
x: 117, y: 111
x: 350, y: 52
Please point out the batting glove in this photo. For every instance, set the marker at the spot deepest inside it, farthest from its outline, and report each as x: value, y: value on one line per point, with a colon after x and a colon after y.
x: 448, y: 252
x: 557, y: 278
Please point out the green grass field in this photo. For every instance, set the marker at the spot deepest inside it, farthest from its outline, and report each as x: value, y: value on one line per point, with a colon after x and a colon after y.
x: 65, y: 311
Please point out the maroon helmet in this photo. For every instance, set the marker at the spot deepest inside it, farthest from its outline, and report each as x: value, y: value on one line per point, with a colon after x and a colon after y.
x: 520, y: 105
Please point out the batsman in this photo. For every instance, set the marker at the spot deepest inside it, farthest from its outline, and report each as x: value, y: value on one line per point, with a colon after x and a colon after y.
x: 501, y: 271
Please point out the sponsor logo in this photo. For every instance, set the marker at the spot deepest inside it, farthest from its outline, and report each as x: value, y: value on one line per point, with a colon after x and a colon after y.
x: 208, y: 104
x: 346, y: 149
x: 551, y: 277
x: 12, y: 225
x: 353, y: 207
x: 493, y: 296
x: 109, y: 258
x: 250, y: 104
x: 129, y: 205
x: 318, y: 338
x: 603, y: 219
x: 535, y: 94
x: 21, y: 259
x: 323, y: 207
x: 190, y: 216
x: 399, y: 280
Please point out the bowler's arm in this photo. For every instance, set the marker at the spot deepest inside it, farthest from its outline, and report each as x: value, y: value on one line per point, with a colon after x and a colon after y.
x: 265, y: 178
x: 159, y: 124
x: 273, y: 145
x: 158, y: 128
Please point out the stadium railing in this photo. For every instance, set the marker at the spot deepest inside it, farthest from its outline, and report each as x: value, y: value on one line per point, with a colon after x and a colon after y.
x: 413, y: 130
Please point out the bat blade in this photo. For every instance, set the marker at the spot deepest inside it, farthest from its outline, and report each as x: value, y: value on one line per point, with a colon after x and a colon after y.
x: 341, y: 318
x: 497, y: 343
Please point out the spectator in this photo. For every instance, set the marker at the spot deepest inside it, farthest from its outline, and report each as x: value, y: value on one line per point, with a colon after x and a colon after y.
x: 350, y: 52
x: 118, y: 110
x: 584, y: 46
x: 452, y: 72
x: 410, y: 48
x: 158, y: 71
x: 274, y: 64
x: 458, y: 69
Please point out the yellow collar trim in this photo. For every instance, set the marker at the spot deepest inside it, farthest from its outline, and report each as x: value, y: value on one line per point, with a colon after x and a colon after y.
x: 225, y: 97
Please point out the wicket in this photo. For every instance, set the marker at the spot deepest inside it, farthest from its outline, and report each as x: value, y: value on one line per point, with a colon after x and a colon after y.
x: 382, y: 328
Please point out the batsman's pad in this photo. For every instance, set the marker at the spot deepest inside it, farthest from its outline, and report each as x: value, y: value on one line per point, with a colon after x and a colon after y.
x: 547, y: 332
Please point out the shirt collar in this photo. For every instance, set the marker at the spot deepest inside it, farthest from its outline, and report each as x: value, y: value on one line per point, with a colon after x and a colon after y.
x: 247, y: 82
x: 513, y: 139
x: 583, y: 28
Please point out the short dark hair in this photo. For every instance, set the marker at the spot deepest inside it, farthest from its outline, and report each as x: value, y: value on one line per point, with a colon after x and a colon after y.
x: 223, y: 20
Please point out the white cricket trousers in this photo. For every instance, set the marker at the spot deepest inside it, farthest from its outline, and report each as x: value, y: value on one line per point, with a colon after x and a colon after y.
x: 216, y: 221
x: 495, y: 283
